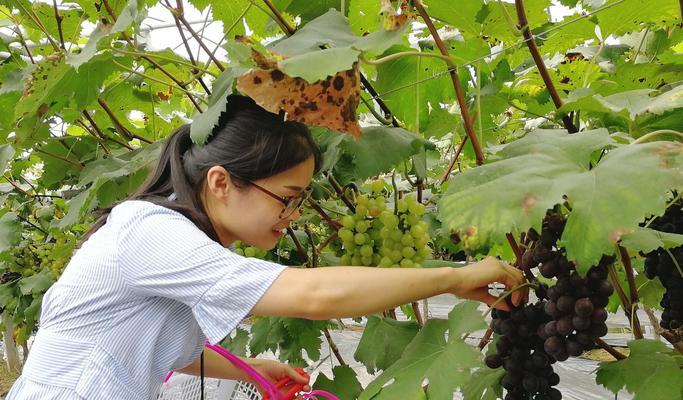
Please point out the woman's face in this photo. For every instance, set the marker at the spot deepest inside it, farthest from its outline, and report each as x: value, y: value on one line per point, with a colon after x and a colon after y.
x: 250, y: 214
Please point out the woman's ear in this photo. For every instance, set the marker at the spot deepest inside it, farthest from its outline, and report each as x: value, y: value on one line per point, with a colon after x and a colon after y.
x: 218, y: 181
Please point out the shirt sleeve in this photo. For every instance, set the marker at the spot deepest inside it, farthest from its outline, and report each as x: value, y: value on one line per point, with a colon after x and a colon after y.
x: 162, y: 253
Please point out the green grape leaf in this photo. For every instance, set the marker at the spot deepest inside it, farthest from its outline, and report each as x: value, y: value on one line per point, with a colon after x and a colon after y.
x: 411, y: 104
x: 6, y: 155
x: 131, y: 13
x: 514, y: 193
x: 32, y: 312
x: 646, y: 240
x: 7, y: 293
x: 10, y: 231
x: 70, y: 24
x: 635, y: 15
x: 383, y: 342
x: 593, y: 227
x: 650, y: 291
x: 630, y: 104
x: 203, y: 123
x: 538, y: 171
x: 47, y: 88
x: 475, y: 17
x: 380, y: 148
x: 113, y: 190
x: 232, y: 13
x: 484, y: 385
x: 8, y: 102
x: 318, y: 65
x: 78, y: 206
x: 364, y: 16
x: 464, y: 17
x: 37, y: 283
x: 90, y: 49
x: 344, y: 383
x: 650, y: 372
x: 340, y: 47
x: 329, y: 30
x: 56, y: 171
x: 445, y: 364
x: 54, y: 84
x: 237, y: 342
x: 117, y: 166
x: 309, y: 10
x: 291, y: 336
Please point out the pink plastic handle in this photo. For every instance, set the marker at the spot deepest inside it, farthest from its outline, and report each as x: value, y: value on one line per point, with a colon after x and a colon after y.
x: 272, y: 391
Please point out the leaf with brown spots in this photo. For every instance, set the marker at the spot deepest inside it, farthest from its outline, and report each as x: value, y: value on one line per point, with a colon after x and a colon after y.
x: 330, y: 103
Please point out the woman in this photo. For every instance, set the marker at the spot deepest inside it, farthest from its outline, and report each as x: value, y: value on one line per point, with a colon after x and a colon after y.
x: 154, y: 278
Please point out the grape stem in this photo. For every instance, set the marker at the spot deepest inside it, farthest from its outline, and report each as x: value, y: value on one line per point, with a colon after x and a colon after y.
x: 340, y: 192
x: 626, y: 303
x: 635, y: 323
x: 327, y: 241
x: 314, y: 205
x: 652, y: 134
x: 333, y: 346
x: 418, y: 314
x: 314, y: 252
x: 609, y: 349
x: 487, y: 337
x: 502, y: 297
x: 673, y: 259
x: 653, y: 321
x: 518, y: 254
x: 626, y: 260
x: 298, y: 245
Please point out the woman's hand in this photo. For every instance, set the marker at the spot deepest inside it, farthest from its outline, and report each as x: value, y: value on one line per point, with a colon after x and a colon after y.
x: 473, y: 280
x: 275, y: 371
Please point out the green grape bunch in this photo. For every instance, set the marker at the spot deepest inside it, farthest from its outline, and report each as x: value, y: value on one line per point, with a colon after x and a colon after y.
x: 31, y: 256
x: 375, y: 235
x: 245, y: 250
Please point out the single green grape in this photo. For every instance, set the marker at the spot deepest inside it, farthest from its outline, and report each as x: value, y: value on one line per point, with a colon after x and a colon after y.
x: 377, y: 186
x: 366, y: 250
x: 385, y: 262
x: 250, y: 252
x: 349, y: 222
x: 407, y: 263
x: 407, y: 239
x: 408, y: 252
x: 345, y: 234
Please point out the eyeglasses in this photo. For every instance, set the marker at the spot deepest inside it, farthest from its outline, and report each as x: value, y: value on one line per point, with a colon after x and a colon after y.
x: 290, y: 204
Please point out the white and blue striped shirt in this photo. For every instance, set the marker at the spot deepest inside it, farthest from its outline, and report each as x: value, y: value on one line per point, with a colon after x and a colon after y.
x: 138, y: 299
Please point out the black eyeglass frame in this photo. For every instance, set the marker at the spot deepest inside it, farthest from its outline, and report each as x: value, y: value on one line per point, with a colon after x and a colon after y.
x: 290, y: 204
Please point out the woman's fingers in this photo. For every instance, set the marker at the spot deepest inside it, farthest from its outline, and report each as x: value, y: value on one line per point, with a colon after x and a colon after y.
x: 512, y: 277
x: 295, y: 375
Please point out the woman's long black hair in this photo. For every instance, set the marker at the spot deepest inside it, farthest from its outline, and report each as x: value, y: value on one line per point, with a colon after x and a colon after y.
x: 248, y: 141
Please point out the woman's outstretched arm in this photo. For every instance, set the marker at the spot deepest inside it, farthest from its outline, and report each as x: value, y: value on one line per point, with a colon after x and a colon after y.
x: 339, y: 292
